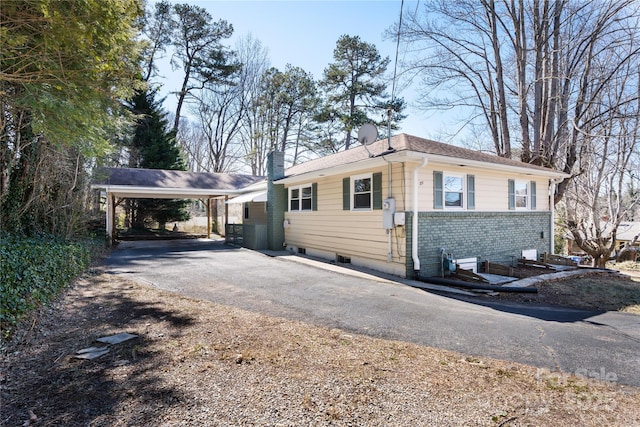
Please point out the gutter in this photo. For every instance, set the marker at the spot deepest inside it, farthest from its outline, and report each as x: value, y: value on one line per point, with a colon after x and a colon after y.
x: 414, y: 220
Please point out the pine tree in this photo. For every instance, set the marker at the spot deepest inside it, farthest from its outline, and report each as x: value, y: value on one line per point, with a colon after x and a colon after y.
x: 355, y: 86
x: 154, y: 146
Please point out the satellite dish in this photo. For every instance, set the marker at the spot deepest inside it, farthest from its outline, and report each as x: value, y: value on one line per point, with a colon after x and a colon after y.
x: 367, y: 134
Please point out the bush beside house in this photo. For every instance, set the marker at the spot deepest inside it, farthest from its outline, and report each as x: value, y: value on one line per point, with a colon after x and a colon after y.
x: 33, y: 271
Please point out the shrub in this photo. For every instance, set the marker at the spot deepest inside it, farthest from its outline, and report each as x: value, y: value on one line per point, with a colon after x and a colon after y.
x: 32, y: 271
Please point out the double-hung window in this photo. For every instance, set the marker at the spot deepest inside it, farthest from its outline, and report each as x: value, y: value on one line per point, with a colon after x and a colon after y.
x: 453, y: 191
x: 522, y: 195
x: 301, y: 198
x: 521, y: 190
x: 362, y: 191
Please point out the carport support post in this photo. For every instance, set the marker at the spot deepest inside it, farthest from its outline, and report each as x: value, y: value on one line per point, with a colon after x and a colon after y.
x: 276, y: 201
x: 111, y: 215
x: 226, y: 212
x: 208, y: 217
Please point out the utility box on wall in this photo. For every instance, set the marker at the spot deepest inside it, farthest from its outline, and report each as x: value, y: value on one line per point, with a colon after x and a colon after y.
x: 388, y: 210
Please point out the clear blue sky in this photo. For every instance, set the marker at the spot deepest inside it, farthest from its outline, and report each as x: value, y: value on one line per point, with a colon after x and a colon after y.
x: 304, y: 34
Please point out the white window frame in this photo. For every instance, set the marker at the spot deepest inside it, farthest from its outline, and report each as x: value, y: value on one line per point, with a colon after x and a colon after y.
x: 463, y: 191
x: 300, y: 198
x: 527, y: 196
x: 353, y: 192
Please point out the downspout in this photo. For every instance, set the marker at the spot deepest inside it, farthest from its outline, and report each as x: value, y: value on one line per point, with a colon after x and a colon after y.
x: 389, y: 183
x: 389, y: 195
x: 414, y: 220
x: 552, y: 193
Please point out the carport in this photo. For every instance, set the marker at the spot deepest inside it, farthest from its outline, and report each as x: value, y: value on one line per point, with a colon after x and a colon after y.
x: 136, y: 183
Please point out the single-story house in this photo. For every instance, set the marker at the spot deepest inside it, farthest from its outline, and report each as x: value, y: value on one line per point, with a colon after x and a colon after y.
x: 402, y: 205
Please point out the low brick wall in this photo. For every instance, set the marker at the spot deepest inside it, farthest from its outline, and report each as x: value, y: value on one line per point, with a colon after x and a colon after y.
x: 493, y: 236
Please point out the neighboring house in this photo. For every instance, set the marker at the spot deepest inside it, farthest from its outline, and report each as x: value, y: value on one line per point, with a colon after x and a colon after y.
x: 628, y: 241
x: 397, y: 210
x: 628, y: 234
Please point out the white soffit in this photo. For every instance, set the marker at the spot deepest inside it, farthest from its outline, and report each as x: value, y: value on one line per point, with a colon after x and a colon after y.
x: 255, y: 196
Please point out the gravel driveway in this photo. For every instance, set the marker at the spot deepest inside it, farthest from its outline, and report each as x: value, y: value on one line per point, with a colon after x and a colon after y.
x: 601, y: 345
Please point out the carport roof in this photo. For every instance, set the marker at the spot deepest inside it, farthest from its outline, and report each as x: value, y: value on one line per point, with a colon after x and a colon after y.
x: 158, y: 183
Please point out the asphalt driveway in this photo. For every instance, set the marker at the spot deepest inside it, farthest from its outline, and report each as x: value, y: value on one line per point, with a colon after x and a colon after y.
x: 604, y: 345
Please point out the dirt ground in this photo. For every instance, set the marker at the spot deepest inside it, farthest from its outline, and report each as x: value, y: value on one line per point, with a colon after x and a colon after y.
x: 199, y: 363
x: 605, y: 291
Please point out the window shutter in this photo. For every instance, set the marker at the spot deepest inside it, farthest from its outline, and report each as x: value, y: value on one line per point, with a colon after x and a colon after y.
x: 346, y: 196
x: 377, y: 190
x: 286, y: 207
x: 512, y: 194
x: 437, y: 190
x: 314, y: 196
x: 532, y: 188
x: 471, y: 192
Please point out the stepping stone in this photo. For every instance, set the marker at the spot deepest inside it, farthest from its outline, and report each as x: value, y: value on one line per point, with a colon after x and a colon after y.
x: 91, y: 353
x: 117, y: 338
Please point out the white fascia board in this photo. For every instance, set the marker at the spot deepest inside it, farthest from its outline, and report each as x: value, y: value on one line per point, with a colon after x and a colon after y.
x: 412, y: 156
x: 361, y: 165
x: 164, y: 193
x: 476, y: 164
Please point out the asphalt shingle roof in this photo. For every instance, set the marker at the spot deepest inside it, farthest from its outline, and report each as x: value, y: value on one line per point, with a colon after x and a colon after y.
x: 158, y: 178
x: 404, y: 142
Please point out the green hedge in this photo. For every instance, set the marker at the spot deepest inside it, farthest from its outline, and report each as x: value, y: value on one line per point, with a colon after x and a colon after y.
x: 32, y: 271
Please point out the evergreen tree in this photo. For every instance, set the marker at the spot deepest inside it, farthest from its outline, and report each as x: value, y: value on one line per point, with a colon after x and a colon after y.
x: 154, y: 146
x: 64, y: 67
x: 354, y: 86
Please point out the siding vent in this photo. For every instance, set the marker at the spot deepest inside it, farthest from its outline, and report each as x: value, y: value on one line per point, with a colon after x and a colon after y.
x: 343, y: 259
x: 302, y: 251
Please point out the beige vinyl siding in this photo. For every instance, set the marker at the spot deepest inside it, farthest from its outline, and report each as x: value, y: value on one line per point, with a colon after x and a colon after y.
x: 359, y: 235
x: 257, y: 213
x: 491, y: 187
x: 355, y: 234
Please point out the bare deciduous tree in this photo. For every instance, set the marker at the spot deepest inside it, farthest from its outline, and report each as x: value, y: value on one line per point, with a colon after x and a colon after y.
x: 595, y: 203
x: 556, y: 76
x: 218, y: 115
x: 522, y: 68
